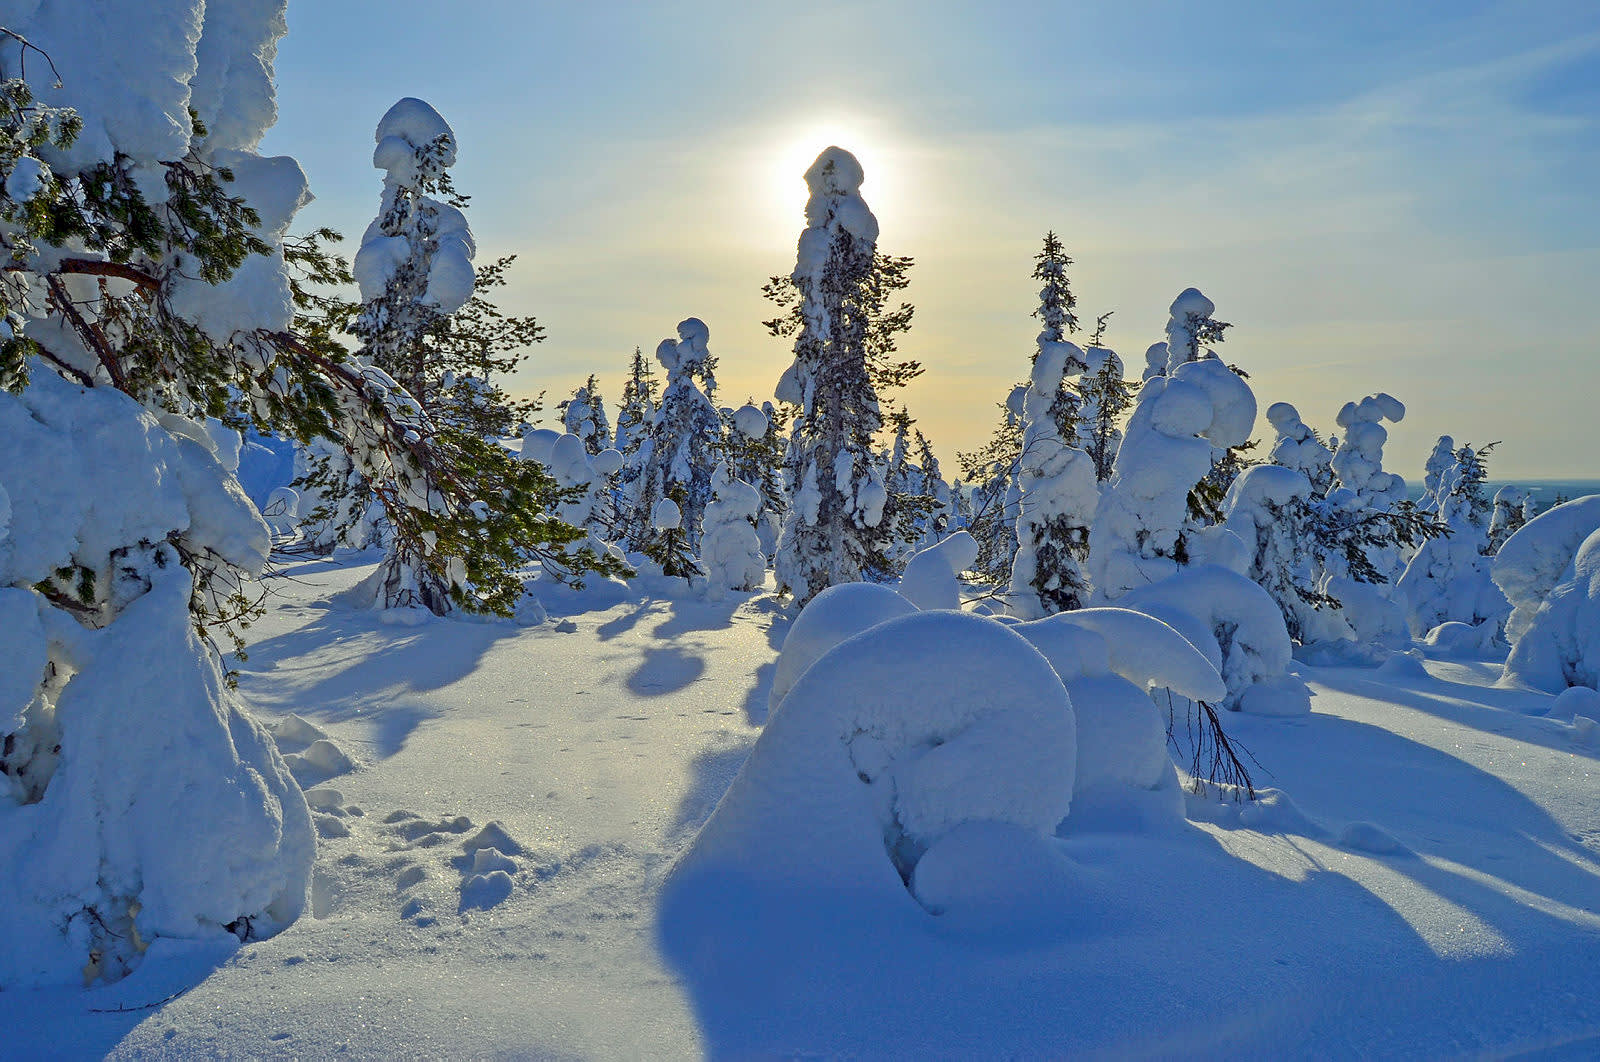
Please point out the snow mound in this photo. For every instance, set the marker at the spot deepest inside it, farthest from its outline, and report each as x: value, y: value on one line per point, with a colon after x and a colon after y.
x: 931, y: 579
x: 1365, y: 837
x: 125, y: 848
x: 838, y: 613
x: 888, y: 744
x: 982, y: 874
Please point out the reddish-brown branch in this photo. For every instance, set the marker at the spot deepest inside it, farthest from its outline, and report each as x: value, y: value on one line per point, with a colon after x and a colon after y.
x: 92, y: 336
x: 97, y: 268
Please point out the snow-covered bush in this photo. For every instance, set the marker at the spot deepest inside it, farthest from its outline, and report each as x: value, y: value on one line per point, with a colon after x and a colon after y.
x: 891, y: 742
x: 1110, y: 659
x: 1561, y: 645
x: 1058, y: 496
x: 1238, y: 627
x: 730, y: 551
x: 1532, y: 561
x: 1448, y: 578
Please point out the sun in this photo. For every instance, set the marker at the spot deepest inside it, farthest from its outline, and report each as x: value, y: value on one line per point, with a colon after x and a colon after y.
x: 796, y: 145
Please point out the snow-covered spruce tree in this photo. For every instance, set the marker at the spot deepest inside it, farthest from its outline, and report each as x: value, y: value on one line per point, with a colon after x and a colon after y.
x: 994, y: 492
x: 730, y: 551
x: 1106, y: 396
x: 635, y: 415
x: 1298, y: 446
x: 753, y: 447
x: 1448, y: 578
x: 421, y: 325
x: 1056, y: 303
x: 1144, y: 527
x: 1439, y: 464
x: 584, y: 415
x: 681, y: 453
x: 836, y: 309
x: 1058, y: 495
x: 150, y: 307
x: 1274, y: 511
x: 942, y: 515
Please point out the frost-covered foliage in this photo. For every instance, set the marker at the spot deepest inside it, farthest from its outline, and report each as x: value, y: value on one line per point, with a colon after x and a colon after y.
x: 1106, y: 396
x: 730, y: 551
x: 678, y: 460
x: 1448, y: 578
x: 1143, y: 531
x: 932, y: 578
x: 1553, y: 623
x: 1238, y: 627
x: 584, y: 415
x: 1298, y: 446
x: 1058, y: 495
x: 834, y: 531
x: 145, y: 293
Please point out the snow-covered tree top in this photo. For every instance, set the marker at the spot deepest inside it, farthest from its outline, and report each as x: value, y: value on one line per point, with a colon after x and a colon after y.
x: 750, y: 422
x: 408, y: 125
x: 688, y: 353
x: 1371, y: 410
x: 835, y: 205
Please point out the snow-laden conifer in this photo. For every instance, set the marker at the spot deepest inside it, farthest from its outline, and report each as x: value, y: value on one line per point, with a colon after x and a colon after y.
x: 683, y: 437
x: 1298, y: 446
x: 730, y: 551
x: 833, y: 530
x: 1058, y: 495
x: 584, y: 415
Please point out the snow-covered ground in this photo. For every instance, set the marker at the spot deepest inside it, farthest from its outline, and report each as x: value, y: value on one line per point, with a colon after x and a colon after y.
x: 1421, y: 878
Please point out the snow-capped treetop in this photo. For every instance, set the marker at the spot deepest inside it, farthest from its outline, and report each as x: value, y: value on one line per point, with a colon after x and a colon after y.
x: 688, y: 355
x: 1189, y: 327
x: 665, y: 516
x: 418, y: 245
x: 1441, y: 462
x: 1155, y: 361
x: 408, y: 127
x: 835, y: 204
x: 750, y: 422
x: 1359, y: 460
x: 1298, y: 447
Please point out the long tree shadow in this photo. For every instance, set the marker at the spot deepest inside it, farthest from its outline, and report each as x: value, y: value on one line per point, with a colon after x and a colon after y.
x: 1504, y: 712
x: 346, y: 666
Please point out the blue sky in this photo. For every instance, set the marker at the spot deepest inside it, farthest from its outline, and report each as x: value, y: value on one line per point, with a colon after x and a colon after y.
x: 1380, y: 196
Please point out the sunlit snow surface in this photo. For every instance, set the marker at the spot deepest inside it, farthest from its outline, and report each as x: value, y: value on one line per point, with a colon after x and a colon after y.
x: 1422, y: 878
